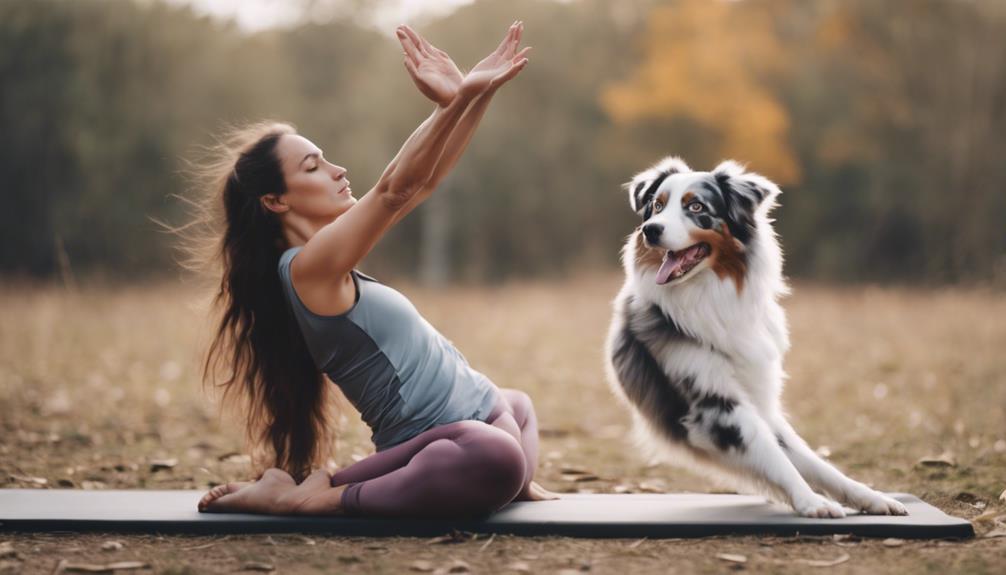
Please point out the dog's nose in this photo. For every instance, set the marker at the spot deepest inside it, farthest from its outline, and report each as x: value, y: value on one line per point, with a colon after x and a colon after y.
x: 652, y: 233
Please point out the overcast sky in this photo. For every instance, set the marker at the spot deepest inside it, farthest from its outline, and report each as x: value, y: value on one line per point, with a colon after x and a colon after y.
x: 255, y: 15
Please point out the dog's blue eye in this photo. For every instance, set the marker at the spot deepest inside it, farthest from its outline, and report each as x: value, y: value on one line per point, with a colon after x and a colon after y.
x: 657, y: 206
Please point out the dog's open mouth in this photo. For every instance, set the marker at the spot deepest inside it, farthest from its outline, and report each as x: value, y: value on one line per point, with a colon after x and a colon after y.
x: 677, y: 264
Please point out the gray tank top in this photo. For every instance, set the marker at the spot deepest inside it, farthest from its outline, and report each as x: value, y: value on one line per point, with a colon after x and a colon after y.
x: 393, y: 366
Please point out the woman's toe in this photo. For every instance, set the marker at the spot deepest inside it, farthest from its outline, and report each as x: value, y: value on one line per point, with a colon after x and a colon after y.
x: 212, y: 500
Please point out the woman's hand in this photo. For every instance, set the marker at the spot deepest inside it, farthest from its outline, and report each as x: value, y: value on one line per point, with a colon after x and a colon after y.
x: 432, y: 70
x: 499, y: 67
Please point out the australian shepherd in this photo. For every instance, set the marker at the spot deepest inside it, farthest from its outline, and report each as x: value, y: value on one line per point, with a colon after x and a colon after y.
x: 697, y: 338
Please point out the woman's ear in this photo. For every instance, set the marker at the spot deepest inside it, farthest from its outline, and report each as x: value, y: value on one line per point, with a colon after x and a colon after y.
x: 274, y: 203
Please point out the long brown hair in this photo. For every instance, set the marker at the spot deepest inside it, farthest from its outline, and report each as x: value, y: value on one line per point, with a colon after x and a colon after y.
x: 287, y: 409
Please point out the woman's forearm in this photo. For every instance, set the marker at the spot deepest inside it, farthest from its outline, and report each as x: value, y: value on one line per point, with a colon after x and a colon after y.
x: 453, y: 149
x: 459, y: 138
x: 414, y: 165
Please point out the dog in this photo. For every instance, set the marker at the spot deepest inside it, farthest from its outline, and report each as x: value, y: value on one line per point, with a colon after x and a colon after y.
x: 697, y: 338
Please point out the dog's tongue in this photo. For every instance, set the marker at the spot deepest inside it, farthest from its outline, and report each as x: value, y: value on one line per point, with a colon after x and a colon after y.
x: 671, y: 263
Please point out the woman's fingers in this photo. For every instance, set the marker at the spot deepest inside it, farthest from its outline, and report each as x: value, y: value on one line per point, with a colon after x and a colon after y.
x: 514, y: 69
x: 507, y: 38
x: 417, y: 40
x: 411, y: 67
x: 516, y: 31
x: 411, y: 51
x: 522, y: 53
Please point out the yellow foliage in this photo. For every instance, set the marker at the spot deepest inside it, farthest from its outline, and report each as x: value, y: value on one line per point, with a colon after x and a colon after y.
x: 708, y: 61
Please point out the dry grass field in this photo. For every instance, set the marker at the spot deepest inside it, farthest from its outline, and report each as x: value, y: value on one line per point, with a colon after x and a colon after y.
x: 98, y: 384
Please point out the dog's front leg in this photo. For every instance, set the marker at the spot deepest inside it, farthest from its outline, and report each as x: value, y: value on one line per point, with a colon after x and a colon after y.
x: 734, y: 435
x: 827, y: 478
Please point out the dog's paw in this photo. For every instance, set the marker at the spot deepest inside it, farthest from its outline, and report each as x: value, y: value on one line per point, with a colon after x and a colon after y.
x: 818, y: 506
x: 875, y: 503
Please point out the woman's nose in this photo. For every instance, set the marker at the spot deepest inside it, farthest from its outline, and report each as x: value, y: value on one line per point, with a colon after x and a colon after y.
x: 339, y: 172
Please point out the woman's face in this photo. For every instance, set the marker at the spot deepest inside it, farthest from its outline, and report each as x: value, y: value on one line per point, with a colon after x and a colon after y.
x: 315, y: 188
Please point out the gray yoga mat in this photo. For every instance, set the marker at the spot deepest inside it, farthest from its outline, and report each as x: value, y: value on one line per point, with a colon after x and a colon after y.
x: 575, y: 515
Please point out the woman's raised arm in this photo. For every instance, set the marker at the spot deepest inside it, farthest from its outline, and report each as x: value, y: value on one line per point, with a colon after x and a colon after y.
x: 338, y: 247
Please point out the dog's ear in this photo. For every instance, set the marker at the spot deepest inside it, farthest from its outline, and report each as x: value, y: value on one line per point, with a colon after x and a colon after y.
x: 645, y: 184
x: 744, y: 192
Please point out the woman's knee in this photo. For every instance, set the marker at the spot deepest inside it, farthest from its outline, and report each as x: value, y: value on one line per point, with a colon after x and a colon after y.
x: 496, y: 457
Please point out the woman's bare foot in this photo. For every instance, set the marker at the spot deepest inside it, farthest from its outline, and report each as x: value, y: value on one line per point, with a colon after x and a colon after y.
x: 535, y: 492
x: 262, y: 496
x: 221, y: 490
x: 277, y: 493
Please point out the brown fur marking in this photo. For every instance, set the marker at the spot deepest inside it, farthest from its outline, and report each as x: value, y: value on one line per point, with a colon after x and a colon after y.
x: 727, y: 257
x: 646, y: 256
x: 688, y: 197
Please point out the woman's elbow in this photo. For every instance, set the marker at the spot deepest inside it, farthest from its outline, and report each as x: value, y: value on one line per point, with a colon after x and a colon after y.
x: 397, y: 193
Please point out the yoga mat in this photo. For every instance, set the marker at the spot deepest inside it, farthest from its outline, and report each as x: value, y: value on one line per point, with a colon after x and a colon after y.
x: 575, y: 515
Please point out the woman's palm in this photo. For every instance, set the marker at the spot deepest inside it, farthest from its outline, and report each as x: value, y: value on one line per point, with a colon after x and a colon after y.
x: 495, y: 68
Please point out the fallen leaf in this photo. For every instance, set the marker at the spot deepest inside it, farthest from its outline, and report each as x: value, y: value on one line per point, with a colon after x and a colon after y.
x: 732, y: 558
x: 622, y: 488
x: 967, y: 497
x: 572, y: 470
x: 652, y: 486
x: 1002, y: 496
x: 1001, y: 532
x: 452, y: 537
x: 7, y: 550
x: 235, y: 457
x: 824, y: 563
x: 486, y: 544
x: 945, y: 459
x: 126, y: 565
x: 111, y: 545
x: 459, y: 566
x: 27, y: 479
x: 893, y: 542
x: 635, y: 544
x: 579, y: 478
x: 421, y: 566
x: 350, y: 559
x: 841, y: 537
x: 518, y: 566
x: 159, y: 464
x: 66, y: 566
x: 257, y: 566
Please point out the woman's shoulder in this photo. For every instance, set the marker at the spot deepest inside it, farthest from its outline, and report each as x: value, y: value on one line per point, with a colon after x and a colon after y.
x: 321, y: 296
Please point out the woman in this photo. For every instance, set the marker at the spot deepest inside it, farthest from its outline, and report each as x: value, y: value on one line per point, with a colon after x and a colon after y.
x: 449, y: 443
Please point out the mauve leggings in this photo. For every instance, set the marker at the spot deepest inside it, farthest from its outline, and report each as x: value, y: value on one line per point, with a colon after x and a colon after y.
x: 462, y: 469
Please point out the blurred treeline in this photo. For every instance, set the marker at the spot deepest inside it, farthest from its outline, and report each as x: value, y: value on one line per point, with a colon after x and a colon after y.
x: 883, y: 121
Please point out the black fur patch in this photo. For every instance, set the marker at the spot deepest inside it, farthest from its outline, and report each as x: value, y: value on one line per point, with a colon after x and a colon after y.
x: 717, y: 402
x: 782, y: 442
x: 727, y: 436
x: 660, y: 399
x: 644, y: 198
x: 738, y: 210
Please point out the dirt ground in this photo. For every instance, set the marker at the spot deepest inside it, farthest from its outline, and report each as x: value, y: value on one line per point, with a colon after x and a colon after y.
x: 99, y: 389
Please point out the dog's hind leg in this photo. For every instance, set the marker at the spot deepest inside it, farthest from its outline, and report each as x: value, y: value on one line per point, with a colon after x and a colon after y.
x: 825, y: 477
